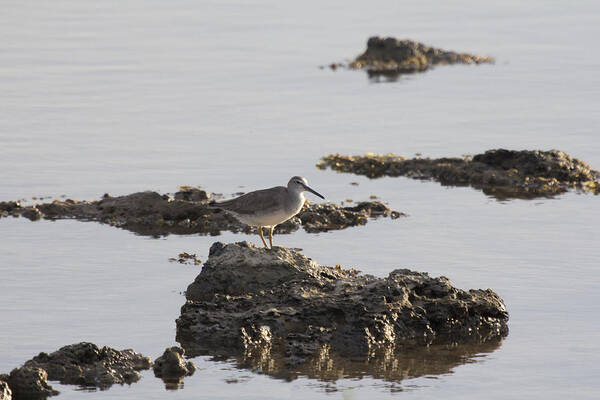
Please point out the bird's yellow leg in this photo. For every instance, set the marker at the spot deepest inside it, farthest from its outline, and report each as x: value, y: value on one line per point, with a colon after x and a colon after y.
x: 260, y: 232
x: 271, y: 236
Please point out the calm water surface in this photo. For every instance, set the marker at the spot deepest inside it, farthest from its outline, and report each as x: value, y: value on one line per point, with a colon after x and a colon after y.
x: 111, y: 97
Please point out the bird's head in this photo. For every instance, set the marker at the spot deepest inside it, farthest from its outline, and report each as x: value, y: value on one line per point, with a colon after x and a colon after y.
x: 299, y: 184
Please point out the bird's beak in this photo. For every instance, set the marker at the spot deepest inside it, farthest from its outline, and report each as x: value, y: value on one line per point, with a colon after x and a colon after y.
x: 313, y: 192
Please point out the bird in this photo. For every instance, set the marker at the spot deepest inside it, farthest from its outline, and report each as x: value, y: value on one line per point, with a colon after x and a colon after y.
x: 268, y: 208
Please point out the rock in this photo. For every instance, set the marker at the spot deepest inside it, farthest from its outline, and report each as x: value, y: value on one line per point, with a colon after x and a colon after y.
x: 86, y: 364
x: 172, y: 367
x: 247, y: 298
x: 149, y: 213
x: 32, y: 213
x: 5, y: 392
x: 9, y: 206
x: 29, y: 382
x: 325, y: 217
x: 188, y: 193
x: 389, y: 55
x: 501, y: 173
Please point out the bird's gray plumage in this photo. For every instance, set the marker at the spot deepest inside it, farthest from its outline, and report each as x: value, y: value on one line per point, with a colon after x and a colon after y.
x: 269, y: 207
x: 272, y: 198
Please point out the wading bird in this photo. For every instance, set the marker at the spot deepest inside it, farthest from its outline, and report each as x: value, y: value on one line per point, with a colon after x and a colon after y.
x: 268, y: 208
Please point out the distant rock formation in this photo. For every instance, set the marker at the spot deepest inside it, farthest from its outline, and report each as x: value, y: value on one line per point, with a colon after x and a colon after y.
x: 393, y: 56
x: 500, y: 173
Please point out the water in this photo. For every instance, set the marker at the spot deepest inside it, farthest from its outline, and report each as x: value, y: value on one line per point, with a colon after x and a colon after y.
x: 113, y: 97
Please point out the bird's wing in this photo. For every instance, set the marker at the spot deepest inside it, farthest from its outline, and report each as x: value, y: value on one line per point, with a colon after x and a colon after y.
x: 259, y: 200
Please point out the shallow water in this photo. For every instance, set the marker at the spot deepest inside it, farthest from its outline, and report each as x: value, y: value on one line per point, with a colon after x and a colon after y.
x: 117, y: 98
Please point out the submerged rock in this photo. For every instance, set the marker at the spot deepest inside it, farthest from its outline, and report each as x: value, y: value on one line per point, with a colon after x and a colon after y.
x: 28, y: 382
x: 500, y: 173
x: 248, y: 299
x: 171, y: 367
x: 86, y: 364
x: 149, y: 213
x: 389, y: 56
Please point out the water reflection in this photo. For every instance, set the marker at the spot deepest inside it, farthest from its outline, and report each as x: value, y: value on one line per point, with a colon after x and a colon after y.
x: 388, y: 364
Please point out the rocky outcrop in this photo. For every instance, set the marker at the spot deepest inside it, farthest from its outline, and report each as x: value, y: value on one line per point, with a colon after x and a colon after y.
x: 248, y: 299
x: 28, y: 382
x: 171, y: 367
x: 83, y: 364
x: 86, y: 364
x: 149, y: 213
x: 500, y: 173
x: 393, y: 56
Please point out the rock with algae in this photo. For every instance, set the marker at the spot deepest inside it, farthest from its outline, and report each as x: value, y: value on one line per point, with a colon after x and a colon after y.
x: 150, y: 213
x: 251, y: 298
x: 393, y: 56
x: 500, y: 173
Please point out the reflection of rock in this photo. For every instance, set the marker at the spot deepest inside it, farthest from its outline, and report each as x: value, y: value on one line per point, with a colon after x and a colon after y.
x: 86, y: 364
x: 172, y: 367
x: 388, y: 363
x: 252, y: 300
x: 29, y: 382
x: 390, y: 56
x: 499, y: 173
x: 149, y: 213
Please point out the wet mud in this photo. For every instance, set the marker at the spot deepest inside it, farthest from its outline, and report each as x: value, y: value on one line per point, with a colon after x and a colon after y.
x: 502, y: 174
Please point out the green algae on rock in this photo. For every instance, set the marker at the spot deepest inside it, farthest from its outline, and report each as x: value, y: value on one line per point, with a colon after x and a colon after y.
x: 503, y: 174
x: 393, y: 56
